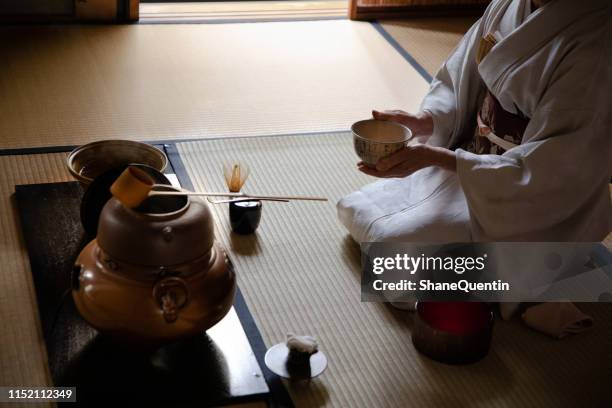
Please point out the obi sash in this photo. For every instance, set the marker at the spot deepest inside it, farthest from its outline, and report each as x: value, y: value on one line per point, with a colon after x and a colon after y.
x: 497, y: 130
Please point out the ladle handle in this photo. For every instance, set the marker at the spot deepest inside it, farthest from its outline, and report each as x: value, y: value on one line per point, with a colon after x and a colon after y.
x: 241, y: 195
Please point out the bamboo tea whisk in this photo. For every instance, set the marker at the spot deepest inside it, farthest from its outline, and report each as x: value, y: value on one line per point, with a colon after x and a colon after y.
x: 235, y: 175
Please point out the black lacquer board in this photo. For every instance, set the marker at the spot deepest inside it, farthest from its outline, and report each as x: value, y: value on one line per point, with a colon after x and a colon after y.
x: 218, y: 367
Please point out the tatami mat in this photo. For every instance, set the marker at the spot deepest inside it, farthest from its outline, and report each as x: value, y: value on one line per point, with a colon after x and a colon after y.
x: 66, y: 85
x: 300, y: 273
x: 70, y: 85
x: 429, y: 40
x: 23, y: 360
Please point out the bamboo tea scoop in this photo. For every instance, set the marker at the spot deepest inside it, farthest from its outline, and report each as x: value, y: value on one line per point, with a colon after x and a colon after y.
x: 134, y: 186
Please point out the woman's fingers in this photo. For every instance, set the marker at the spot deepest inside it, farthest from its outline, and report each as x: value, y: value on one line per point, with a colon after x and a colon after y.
x: 368, y: 170
x: 402, y: 170
x: 394, y: 115
x: 393, y: 160
x: 410, y: 159
x: 398, y: 171
x: 421, y: 123
x: 372, y: 172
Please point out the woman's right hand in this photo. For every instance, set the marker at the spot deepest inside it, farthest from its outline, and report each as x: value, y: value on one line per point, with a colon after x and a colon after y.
x: 421, y: 124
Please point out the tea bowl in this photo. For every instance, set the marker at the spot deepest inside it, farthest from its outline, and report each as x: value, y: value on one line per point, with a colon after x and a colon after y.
x: 374, y: 139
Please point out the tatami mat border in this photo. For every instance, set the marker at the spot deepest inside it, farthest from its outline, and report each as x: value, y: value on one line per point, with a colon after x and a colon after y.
x: 397, y: 46
x: 165, y: 142
x: 238, y: 20
x: 192, y: 21
x: 35, y: 150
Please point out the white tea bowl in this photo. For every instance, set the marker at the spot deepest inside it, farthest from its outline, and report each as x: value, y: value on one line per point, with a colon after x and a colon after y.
x: 374, y: 139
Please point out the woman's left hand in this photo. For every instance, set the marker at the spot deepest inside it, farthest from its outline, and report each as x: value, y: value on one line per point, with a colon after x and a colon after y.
x: 410, y: 159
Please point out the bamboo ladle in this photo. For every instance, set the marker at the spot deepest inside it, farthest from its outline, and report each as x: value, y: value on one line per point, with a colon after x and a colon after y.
x: 134, y: 186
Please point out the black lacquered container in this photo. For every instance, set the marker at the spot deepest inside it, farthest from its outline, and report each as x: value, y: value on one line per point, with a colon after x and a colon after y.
x: 245, y: 216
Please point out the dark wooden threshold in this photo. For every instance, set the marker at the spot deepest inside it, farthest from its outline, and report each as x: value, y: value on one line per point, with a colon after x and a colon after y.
x: 111, y: 11
x: 357, y: 12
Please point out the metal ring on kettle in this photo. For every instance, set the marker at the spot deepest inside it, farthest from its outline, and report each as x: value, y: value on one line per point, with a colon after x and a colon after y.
x: 171, y: 294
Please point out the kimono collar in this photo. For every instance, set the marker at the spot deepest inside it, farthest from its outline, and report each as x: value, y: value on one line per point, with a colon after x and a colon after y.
x: 545, y: 23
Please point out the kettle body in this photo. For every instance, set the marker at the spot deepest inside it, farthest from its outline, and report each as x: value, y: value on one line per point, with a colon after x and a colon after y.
x: 154, y: 274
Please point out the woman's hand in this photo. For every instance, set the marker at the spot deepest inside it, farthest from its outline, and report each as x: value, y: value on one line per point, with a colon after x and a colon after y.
x: 410, y: 159
x: 420, y: 124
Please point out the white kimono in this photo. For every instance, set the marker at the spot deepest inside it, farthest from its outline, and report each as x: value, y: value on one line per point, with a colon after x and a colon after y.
x: 553, y: 66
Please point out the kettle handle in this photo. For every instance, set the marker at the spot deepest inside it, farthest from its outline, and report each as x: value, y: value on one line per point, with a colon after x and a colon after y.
x: 75, y: 276
x: 171, y: 295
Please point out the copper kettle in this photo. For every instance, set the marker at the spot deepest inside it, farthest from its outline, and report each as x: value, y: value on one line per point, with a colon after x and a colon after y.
x: 154, y: 274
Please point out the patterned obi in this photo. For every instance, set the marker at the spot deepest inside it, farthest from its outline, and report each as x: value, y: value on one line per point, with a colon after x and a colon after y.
x: 497, y: 130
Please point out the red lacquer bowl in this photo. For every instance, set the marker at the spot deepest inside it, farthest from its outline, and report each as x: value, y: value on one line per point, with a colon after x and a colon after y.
x: 453, y: 332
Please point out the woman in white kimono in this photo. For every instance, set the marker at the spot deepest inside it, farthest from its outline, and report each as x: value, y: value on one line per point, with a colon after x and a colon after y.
x: 517, y: 123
